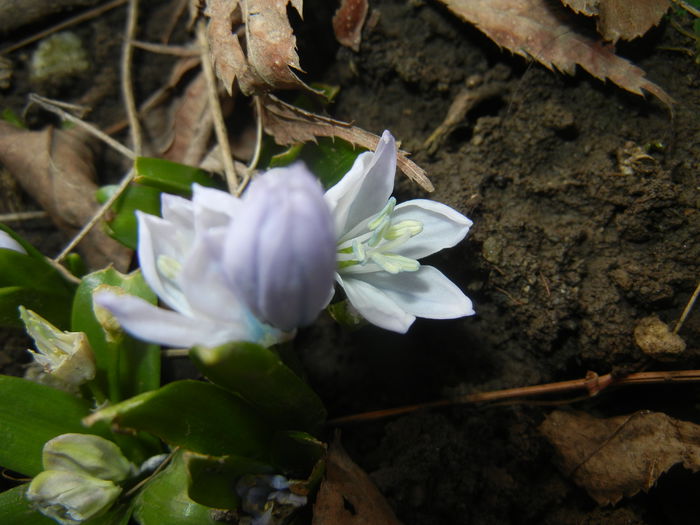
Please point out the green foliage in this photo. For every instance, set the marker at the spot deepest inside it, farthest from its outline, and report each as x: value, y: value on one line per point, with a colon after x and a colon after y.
x: 15, y: 509
x: 258, y: 375
x: 171, y: 177
x: 165, y: 500
x: 31, y: 281
x: 125, y: 366
x: 122, y: 225
x: 30, y: 415
x: 196, y: 416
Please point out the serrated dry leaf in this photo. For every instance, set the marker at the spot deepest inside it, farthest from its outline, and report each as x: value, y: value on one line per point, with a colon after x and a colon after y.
x: 55, y: 168
x: 270, y: 43
x: 544, y: 31
x: 348, y: 496
x: 290, y: 125
x: 348, y: 22
x: 620, y: 456
x: 622, y: 19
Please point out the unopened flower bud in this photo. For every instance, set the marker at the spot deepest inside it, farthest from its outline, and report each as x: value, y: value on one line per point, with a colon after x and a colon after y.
x: 66, y: 356
x: 71, y: 498
x: 280, y: 250
x: 87, y: 454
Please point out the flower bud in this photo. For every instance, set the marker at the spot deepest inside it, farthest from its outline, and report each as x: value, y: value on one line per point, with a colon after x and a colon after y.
x: 280, y: 249
x: 67, y: 356
x: 71, y: 497
x: 87, y: 454
x: 9, y: 243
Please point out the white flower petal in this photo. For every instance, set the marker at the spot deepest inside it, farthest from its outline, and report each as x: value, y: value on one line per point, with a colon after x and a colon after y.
x: 424, y: 293
x: 443, y: 227
x: 375, y: 305
x: 8, y: 242
x: 212, y: 208
x: 159, y: 237
x: 150, y: 323
x: 364, y: 190
x: 176, y: 210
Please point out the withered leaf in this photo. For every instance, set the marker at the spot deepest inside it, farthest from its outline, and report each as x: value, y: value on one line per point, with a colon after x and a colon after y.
x: 621, y: 456
x: 269, y: 41
x: 622, y: 18
x: 348, y: 21
x: 55, y: 168
x: 538, y: 29
x: 348, y: 496
x: 627, y: 20
x: 289, y: 125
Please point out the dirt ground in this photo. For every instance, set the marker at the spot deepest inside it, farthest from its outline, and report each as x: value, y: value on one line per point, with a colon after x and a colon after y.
x: 586, y: 218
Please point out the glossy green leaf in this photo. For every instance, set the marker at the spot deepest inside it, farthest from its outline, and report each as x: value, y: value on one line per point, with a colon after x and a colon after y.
x: 297, y: 453
x: 171, y: 177
x: 196, y: 416
x: 164, y: 500
x: 125, y: 366
x: 212, y: 478
x: 330, y: 159
x: 15, y: 509
x: 286, y: 157
x: 122, y: 225
x: 30, y: 415
x: 259, y: 376
x: 31, y: 281
x: 119, y: 514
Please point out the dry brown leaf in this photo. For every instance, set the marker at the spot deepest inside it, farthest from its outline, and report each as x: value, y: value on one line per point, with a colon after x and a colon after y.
x: 620, y: 456
x: 622, y: 18
x: 348, y: 22
x: 348, y: 496
x: 270, y: 43
x: 538, y: 29
x: 55, y: 167
x: 290, y: 125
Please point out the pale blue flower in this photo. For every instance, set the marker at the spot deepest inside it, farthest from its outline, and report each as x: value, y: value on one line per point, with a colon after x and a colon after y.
x: 231, y: 269
x: 7, y: 242
x: 379, y: 244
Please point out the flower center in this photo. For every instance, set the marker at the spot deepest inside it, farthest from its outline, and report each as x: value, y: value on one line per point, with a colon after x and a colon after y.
x: 379, y: 244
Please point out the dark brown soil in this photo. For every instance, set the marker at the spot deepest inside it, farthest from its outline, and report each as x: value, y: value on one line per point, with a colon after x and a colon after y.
x: 574, y: 241
x: 576, y: 237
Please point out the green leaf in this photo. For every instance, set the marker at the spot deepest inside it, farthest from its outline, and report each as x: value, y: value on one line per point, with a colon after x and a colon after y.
x: 193, y: 415
x: 15, y: 509
x: 171, y: 177
x: 258, y: 375
x: 164, y: 500
x: 297, y: 453
x: 122, y: 226
x: 125, y: 366
x: 31, y: 281
x: 119, y: 514
x: 330, y: 159
x: 30, y: 415
x: 286, y: 157
x: 212, y: 478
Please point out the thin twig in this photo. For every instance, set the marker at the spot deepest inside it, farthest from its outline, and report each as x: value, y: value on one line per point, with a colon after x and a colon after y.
x: 127, y: 84
x: 692, y: 10
x: 687, y: 309
x: 258, y: 146
x: 96, y: 218
x: 215, y: 108
x: 23, y: 216
x: 53, y: 106
x: 593, y: 384
x: 82, y: 17
x: 178, y: 51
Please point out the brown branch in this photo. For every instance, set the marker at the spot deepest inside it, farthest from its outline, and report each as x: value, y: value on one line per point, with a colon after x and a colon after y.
x: 592, y: 384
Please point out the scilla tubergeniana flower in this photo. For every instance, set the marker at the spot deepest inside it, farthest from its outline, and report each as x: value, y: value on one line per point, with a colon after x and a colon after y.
x: 233, y: 269
x: 379, y: 244
x: 7, y: 242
